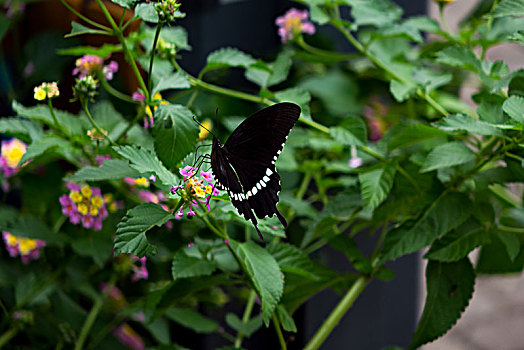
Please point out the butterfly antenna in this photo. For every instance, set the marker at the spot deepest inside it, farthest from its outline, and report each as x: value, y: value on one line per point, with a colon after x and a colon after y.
x: 196, y: 121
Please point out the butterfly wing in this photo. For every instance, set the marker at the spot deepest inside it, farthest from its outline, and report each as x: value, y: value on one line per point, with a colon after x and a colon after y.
x: 252, y: 150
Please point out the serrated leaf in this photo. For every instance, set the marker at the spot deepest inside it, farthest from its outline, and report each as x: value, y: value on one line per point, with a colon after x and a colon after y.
x: 175, y: 133
x: 112, y: 169
x: 175, y: 81
x: 264, y: 272
x: 376, y: 183
x: 291, y: 259
x: 146, y: 162
x: 16, y: 126
x: 449, y: 290
x: 229, y: 57
x: 511, y: 242
x: 246, y: 328
x: 374, y: 12
x: 80, y: 29
x: 43, y: 145
x: 147, y: 12
x: 125, y: 3
x: 442, y: 216
x: 189, y: 266
x: 461, y: 122
x: 273, y: 73
x: 509, y: 8
x: 286, y: 320
x: 344, y: 136
x: 131, y: 230
x: 192, y: 320
x: 495, y: 259
x: 514, y: 107
x: 103, y: 51
x: 456, y: 244
x: 447, y: 155
x: 460, y: 57
x: 400, y: 91
x: 412, y: 134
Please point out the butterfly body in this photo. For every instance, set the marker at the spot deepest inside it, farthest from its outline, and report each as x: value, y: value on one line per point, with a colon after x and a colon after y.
x: 244, y: 166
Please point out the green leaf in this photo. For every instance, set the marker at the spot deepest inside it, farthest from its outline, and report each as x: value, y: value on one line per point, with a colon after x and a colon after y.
x: 449, y: 290
x: 31, y: 290
x: 292, y: 260
x: 174, y: 81
x: 456, y: 244
x: 4, y: 25
x: 159, y: 329
x: 318, y: 15
x: 146, y: 162
x: 461, y: 122
x: 131, y: 231
x: 286, y: 320
x: 44, y: 145
x: 348, y: 246
x: 32, y: 227
x: 102, y: 51
x: 17, y: 126
x: 511, y: 242
x: 125, y: 3
x: 80, y: 29
x: 516, y: 84
x: 400, y: 91
x: 175, y: 133
x: 509, y: 8
x: 229, y: 57
x: 443, y: 215
x: 147, y: 12
x: 412, y: 134
x: 189, y: 266
x: 494, y: 258
x: 460, y: 57
x: 264, y: 272
x: 271, y: 73
x: 95, y: 245
x: 348, y: 137
x: 374, y: 12
x: 447, y: 155
x: 246, y: 328
x: 192, y: 320
x: 296, y: 95
x: 376, y: 183
x: 112, y: 169
x: 514, y: 107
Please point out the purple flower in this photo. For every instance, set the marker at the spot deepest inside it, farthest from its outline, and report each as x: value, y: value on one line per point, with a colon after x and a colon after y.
x: 206, y: 175
x: 128, y: 337
x: 138, y: 96
x: 187, y: 171
x: 354, y: 161
x: 94, y: 65
x: 12, y: 152
x: 27, y: 248
x: 293, y: 23
x: 139, y: 272
x: 85, y: 205
x: 110, y: 69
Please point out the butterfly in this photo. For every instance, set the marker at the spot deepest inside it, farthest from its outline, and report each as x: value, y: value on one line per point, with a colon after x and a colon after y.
x: 244, y: 166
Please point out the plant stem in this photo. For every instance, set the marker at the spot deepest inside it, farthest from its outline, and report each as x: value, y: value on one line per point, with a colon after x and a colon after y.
x: 95, y: 310
x: 95, y: 125
x: 441, y: 6
x: 510, y: 229
x: 111, y: 90
x: 281, y: 339
x: 128, y: 54
x: 84, y: 18
x: 319, y: 52
x: 247, y: 314
x: 153, y: 49
x: 7, y: 336
x: 336, y: 315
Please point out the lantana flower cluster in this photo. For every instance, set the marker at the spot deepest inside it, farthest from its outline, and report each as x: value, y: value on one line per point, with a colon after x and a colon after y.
x: 85, y: 205
x: 27, y: 248
x: 293, y: 23
x: 194, y: 190
x: 12, y: 152
x: 94, y: 66
x: 46, y: 90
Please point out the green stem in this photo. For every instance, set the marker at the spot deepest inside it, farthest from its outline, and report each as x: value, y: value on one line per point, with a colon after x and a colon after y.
x: 247, y: 314
x: 84, y: 18
x: 336, y: 315
x: 441, y: 6
x: 111, y: 90
x: 510, y: 229
x: 281, y: 339
x: 95, y: 310
x: 122, y: 18
x: 153, y: 49
x: 57, y: 125
x: 129, y: 126
x: 128, y: 54
x: 7, y: 336
x: 319, y: 52
x: 95, y: 125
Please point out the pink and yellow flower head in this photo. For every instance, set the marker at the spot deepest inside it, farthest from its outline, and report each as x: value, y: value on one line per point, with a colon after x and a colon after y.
x: 194, y: 190
x: 94, y: 65
x: 85, y: 205
x: 46, y: 90
x: 148, y: 121
x: 293, y: 23
x: 12, y: 152
x: 27, y: 248
x: 140, y: 182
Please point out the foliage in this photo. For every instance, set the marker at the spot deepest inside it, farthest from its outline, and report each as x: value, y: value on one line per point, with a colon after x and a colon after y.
x: 383, y: 146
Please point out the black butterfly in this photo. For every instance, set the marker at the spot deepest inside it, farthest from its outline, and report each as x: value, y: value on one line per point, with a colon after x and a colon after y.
x: 244, y: 166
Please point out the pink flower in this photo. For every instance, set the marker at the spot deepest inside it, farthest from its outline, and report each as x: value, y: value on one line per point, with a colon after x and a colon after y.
x: 27, y: 248
x: 187, y: 171
x: 127, y: 336
x: 12, y: 152
x: 139, y: 272
x: 354, y: 161
x: 293, y: 23
x: 110, y: 69
x: 85, y: 205
x: 138, y: 96
x: 206, y: 175
x: 94, y: 65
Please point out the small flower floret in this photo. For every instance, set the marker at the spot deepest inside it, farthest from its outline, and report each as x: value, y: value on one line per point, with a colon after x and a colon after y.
x: 86, y: 205
x: 27, y: 248
x: 46, y: 90
x: 194, y: 191
x: 293, y: 23
x: 12, y: 152
x: 166, y: 10
x: 85, y: 88
x: 94, y: 65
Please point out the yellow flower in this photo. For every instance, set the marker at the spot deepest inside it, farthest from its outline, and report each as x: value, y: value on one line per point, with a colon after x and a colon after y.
x: 97, y: 202
x: 48, y: 90
x: 86, y: 191
x: 199, y: 192
x: 76, y: 196
x: 206, y: 124
x: 39, y: 94
x: 209, y: 189
x: 11, y: 240
x: 82, y: 208
x: 142, y: 182
x: 26, y: 245
x: 93, y: 211
x: 13, y: 151
x: 157, y: 97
